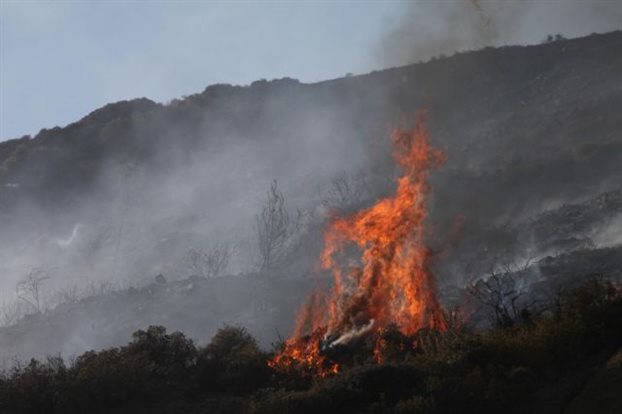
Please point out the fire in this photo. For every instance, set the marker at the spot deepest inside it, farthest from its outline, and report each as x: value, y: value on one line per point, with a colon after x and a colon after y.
x: 390, y: 282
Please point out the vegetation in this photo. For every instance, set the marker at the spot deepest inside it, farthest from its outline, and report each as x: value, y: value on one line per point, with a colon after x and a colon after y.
x: 29, y: 289
x: 528, y: 365
x: 275, y: 229
x: 209, y: 262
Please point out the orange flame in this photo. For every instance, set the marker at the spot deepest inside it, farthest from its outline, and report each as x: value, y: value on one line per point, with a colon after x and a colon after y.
x: 391, y: 282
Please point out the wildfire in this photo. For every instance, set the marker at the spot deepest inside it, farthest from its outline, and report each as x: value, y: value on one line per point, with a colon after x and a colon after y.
x: 389, y: 283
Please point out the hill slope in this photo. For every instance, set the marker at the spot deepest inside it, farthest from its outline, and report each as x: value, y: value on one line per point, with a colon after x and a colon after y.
x: 532, y: 137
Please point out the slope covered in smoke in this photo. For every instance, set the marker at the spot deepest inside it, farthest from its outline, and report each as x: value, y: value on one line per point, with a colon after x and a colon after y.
x: 124, y: 193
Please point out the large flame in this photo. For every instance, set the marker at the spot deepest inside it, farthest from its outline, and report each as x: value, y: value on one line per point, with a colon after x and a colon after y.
x: 390, y: 282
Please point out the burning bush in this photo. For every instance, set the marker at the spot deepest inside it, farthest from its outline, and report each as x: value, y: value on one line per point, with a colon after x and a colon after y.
x: 509, y: 369
x: 387, y: 280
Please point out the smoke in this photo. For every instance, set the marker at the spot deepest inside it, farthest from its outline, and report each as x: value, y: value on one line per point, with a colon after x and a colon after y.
x: 195, y: 173
x: 434, y: 28
x: 354, y: 333
x: 190, y: 184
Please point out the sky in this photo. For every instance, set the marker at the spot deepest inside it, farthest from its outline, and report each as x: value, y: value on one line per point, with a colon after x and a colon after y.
x: 60, y: 60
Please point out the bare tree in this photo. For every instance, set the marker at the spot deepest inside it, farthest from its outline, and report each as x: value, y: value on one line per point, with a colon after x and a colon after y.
x: 211, y: 262
x: 500, y: 293
x: 29, y: 289
x: 68, y: 294
x: 94, y: 289
x: 274, y: 228
x: 345, y: 191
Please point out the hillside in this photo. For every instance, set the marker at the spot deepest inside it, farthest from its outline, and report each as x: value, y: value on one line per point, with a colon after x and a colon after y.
x: 533, y: 142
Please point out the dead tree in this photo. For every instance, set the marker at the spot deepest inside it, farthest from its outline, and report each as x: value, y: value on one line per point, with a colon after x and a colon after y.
x: 501, y: 294
x: 345, y: 191
x: 68, y: 294
x: 29, y: 288
x: 102, y: 288
x: 209, y: 263
x: 274, y: 228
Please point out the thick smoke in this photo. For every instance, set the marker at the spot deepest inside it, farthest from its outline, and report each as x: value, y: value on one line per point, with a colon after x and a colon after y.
x: 139, y: 219
x: 175, y: 186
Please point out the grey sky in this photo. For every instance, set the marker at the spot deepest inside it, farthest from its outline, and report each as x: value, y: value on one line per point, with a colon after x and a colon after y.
x: 61, y: 59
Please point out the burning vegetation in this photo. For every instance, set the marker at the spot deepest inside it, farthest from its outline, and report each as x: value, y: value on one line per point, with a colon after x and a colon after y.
x: 380, y: 266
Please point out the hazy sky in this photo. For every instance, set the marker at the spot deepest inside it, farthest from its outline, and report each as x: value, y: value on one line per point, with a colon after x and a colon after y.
x: 59, y: 60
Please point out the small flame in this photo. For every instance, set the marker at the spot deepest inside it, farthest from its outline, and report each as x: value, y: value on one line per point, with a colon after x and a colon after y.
x: 391, y: 283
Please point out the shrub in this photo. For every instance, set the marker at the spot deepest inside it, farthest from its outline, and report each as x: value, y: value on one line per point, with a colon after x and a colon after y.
x: 451, y: 371
x: 232, y: 362
x: 34, y: 387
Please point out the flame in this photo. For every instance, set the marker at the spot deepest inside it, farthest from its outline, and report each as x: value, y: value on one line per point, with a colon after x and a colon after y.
x: 305, y: 353
x: 390, y: 283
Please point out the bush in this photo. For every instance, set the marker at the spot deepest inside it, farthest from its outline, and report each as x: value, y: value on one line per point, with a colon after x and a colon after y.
x: 34, y: 387
x: 167, y: 357
x: 498, y: 370
x: 232, y: 362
